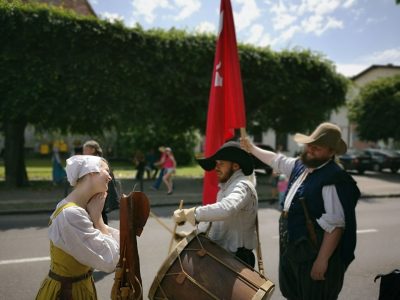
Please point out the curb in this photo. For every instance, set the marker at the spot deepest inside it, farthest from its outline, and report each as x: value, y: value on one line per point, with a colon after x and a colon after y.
x: 43, y: 211
x: 166, y: 204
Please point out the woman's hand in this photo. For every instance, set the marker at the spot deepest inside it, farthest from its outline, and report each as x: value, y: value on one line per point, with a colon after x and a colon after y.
x: 95, y: 207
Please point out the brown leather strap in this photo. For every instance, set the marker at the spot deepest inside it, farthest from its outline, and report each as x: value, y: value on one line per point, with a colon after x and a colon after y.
x: 66, y: 283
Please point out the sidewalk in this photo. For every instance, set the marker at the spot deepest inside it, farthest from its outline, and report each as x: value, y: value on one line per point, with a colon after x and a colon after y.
x: 34, y: 200
x: 28, y: 200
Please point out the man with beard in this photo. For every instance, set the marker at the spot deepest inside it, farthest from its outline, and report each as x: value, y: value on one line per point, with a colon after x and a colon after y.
x: 231, y: 221
x: 317, y: 227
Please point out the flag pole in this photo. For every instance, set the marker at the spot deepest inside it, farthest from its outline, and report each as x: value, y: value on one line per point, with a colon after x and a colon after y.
x: 243, y: 133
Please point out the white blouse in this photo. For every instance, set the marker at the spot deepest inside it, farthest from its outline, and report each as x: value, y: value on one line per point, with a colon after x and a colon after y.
x: 72, y: 230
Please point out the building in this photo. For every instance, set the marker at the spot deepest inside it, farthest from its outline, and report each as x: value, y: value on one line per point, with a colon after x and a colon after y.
x: 81, y: 7
x: 339, y: 117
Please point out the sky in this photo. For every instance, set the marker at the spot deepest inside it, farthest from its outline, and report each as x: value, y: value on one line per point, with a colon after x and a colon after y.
x: 353, y: 34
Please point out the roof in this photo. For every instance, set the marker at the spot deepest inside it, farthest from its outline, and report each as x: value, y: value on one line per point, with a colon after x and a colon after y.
x: 388, y: 66
x: 81, y: 7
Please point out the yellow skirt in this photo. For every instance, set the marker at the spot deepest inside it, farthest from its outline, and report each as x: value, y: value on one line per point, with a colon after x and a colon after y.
x: 81, y: 290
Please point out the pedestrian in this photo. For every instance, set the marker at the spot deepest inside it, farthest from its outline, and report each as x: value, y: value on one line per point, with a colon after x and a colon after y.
x: 317, y: 227
x: 150, y: 168
x: 92, y: 147
x: 169, y: 170
x: 231, y: 221
x: 57, y: 167
x: 79, y: 239
x: 159, y: 164
x: 140, y: 164
x: 274, y: 185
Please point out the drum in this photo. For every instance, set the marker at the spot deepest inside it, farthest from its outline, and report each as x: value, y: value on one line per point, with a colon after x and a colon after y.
x: 199, y: 269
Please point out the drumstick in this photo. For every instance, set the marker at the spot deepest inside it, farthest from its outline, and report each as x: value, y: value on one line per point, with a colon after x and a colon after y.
x: 160, y: 222
x: 173, y: 234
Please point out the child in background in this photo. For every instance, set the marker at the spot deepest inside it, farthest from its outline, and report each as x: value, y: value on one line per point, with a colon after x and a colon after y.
x: 282, y: 187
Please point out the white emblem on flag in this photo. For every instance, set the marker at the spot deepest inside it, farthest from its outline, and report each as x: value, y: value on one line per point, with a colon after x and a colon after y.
x: 218, y: 78
x: 221, y: 22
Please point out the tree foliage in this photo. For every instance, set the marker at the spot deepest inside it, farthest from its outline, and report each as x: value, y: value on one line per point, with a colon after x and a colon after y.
x: 81, y: 74
x: 377, y: 109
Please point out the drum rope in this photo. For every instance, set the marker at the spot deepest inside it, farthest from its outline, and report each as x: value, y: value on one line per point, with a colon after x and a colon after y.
x: 194, y: 281
x: 230, y: 268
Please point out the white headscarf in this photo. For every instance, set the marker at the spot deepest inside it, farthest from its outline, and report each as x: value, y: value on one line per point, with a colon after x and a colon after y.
x: 80, y: 165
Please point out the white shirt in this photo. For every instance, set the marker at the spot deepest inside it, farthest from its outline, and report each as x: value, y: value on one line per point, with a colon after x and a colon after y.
x: 72, y: 231
x: 334, y: 214
x: 233, y: 216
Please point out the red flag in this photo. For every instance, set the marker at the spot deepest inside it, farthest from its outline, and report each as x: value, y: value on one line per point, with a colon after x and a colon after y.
x: 226, y: 104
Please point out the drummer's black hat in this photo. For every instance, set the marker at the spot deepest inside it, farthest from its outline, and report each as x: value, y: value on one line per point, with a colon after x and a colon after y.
x: 230, y: 151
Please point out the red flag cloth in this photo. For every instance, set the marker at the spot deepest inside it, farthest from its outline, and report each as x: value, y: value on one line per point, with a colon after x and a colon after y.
x: 226, y: 104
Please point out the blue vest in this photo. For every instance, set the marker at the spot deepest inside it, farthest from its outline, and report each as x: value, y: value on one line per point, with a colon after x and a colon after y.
x: 311, y: 190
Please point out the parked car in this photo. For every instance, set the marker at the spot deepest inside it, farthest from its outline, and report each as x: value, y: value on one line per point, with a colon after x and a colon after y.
x: 356, y: 160
x: 384, y: 159
x: 259, y: 165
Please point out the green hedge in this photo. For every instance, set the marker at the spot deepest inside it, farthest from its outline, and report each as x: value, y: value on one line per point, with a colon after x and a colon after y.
x: 81, y: 74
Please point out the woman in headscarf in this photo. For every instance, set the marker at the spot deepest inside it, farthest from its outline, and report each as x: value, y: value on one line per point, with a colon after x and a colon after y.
x: 79, y: 239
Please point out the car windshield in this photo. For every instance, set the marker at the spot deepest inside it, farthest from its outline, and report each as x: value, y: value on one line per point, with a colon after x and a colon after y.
x: 355, y: 152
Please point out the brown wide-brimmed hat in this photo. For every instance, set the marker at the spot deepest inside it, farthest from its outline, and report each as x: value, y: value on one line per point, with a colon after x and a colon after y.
x: 326, y: 134
x: 230, y: 151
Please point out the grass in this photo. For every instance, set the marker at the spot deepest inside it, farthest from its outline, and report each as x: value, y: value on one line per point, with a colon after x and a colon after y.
x: 40, y: 169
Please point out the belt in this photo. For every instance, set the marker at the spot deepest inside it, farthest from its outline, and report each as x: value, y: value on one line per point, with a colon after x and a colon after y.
x: 285, y: 214
x: 66, y: 283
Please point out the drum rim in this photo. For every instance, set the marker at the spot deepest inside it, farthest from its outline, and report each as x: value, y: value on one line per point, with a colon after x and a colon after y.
x: 169, y: 261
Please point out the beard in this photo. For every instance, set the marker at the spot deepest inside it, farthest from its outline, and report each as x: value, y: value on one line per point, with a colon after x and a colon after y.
x: 312, y: 162
x: 226, y: 176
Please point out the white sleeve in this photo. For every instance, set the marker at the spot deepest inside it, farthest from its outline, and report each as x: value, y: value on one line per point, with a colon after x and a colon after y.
x: 72, y: 231
x: 264, y: 155
x: 283, y: 164
x: 334, y: 214
x: 238, y: 199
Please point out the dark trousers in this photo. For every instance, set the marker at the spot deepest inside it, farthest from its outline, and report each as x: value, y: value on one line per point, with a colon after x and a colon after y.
x: 295, y: 264
x: 158, y: 181
x: 247, y: 256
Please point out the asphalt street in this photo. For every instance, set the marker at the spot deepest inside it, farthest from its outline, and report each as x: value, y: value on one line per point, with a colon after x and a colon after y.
x: 24, y: 260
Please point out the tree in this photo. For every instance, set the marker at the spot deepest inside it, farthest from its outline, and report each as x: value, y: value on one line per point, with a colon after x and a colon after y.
x: 292, y: 91
x: 81, y: 74
x: 376, y: 110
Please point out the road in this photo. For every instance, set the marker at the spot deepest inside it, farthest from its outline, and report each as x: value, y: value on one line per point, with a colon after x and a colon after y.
x: 24, y: 250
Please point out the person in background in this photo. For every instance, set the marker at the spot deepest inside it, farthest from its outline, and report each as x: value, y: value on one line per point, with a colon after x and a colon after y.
x: 92, y: 147
x: 140, y: 164
x: 282, y: 188
x: 159, y: 164
x: 170, y: 170
x: 150, y: 167
x: 80, y: 241
x: 57, y: 170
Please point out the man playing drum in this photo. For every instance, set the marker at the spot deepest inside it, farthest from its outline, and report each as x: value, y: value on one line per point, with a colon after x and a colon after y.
x: 231, y: 221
